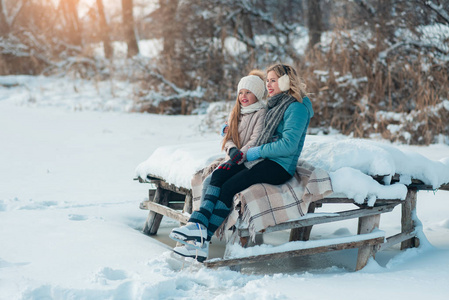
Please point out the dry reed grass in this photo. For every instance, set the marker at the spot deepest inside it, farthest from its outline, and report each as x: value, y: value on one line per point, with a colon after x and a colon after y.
x: 359, y: 91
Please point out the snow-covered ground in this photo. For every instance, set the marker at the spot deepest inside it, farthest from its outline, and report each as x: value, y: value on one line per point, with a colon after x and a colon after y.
x: 70, y: 220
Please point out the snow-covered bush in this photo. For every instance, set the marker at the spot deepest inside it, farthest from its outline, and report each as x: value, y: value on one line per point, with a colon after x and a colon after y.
x: 216, y: 115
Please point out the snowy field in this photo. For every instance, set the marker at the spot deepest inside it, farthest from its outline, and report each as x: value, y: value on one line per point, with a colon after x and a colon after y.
x: 70, y: 223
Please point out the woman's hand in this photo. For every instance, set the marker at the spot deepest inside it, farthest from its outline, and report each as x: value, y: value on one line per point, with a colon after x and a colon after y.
x: 253, y: 153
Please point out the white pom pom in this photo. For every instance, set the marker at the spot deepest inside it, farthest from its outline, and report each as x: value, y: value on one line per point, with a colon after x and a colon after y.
x: 284, y: 83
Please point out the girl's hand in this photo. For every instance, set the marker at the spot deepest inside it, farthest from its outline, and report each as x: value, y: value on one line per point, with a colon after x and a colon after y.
x: 224, y: 129
x: 227, y: 165
x: 236, y: 155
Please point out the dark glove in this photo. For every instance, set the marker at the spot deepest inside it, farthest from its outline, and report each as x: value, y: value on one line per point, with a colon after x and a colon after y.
x: 227, y: 165
x: 236, y: 155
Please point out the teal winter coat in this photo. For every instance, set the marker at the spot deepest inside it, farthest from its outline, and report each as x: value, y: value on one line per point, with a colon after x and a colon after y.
x: 289, y: 137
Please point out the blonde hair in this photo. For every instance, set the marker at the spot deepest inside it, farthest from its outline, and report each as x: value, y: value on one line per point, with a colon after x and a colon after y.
x: 297, y: 86
x: 233, y: 130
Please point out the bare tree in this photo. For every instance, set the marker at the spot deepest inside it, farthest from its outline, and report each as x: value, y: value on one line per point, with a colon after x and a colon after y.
x: 314, y: 22
x: 247, y: 34
x: 69, y: 10
x: 168, y: 11
x: 105, y: 32
x: 4, y: 26
x: 128, y: 27
x: 8, y: 17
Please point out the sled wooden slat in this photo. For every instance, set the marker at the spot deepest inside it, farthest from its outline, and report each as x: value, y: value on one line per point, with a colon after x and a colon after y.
x: 215, y: 263
x: 396, y: 239
x: 177, y: 205
x: 407, y: 223
x: 167, y: 211
x: 154, y: 219
x: 415, y: 183
x: 163, y: 184
x: 367, y: 224
x: 425, y: 187
x: 317, y: 219
x: 164, y: 200
x: 340, y: 200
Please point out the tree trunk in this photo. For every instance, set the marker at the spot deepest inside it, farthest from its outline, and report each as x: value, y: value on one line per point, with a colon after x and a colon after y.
x: 128, y: 27
x: 168, y: 11
x: 171, y: 38
x: 70, y: 12
x: 249, y: 36
x: 104, y: 30
x: 314, y: 22
x: 4, y: 26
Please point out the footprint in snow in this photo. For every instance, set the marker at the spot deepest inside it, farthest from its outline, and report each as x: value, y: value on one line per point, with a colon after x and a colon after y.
x: 78, y: 217
x: 342, y: 231
x: 7, y: 264
x: 444, y: 223
x: 108, y: 274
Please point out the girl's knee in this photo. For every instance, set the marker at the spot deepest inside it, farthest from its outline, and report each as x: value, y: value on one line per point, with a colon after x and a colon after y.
x: 217, y: 178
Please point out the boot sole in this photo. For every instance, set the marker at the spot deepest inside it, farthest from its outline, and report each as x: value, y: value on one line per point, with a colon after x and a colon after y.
x: 201, y: 259
x: 194, y: 241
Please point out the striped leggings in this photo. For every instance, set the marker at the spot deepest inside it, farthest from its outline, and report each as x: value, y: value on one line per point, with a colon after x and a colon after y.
x: 218, y: 195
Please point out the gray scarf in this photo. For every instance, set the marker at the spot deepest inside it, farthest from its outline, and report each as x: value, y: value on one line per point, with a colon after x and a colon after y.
x: 277, y: 105
x: 251, y: 108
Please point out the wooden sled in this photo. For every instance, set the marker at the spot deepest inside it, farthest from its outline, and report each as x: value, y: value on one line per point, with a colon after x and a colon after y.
x: 176, y: 203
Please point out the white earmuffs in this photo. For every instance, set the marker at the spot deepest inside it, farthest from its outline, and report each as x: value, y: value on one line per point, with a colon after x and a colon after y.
x: 284, y: 83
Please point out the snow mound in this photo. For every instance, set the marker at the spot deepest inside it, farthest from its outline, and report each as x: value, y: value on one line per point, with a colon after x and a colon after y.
x: 444, y: 223
x: 176, y: 164
x: 375, y: 158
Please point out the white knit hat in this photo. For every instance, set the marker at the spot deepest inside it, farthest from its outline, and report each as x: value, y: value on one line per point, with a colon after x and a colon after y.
x: 254, y: 84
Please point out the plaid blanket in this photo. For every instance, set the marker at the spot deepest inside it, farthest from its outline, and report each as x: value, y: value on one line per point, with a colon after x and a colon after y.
x: 264, y: 205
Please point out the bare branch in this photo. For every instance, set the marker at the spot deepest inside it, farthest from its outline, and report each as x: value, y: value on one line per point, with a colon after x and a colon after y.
x: 366, y: 7
x: 382, y: 55
x: 438, y: 9
x: 179, y: 92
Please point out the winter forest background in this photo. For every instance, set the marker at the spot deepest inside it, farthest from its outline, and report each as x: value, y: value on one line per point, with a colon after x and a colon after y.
x: 374, y: 68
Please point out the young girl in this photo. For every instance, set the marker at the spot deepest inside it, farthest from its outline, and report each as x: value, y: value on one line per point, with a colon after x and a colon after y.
x: 245, y: 124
